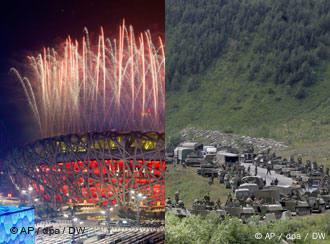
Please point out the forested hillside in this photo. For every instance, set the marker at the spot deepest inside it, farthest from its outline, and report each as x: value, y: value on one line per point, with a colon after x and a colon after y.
x: 258, y: 67
x: 286, y: 39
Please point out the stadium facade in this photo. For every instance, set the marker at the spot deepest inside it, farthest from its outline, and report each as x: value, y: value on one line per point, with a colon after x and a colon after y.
x: 95, y: 168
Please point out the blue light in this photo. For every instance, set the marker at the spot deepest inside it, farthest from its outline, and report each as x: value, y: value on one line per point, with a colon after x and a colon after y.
x: 19, y: 217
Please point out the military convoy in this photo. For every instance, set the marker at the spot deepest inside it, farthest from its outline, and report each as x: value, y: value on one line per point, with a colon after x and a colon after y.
x: 310, y: 192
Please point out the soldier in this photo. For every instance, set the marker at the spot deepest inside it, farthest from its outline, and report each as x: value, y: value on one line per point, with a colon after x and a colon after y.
x: 236, y: 203
x: 229, y: 201
x: 207, y: 199
x: 177, y: 197
x: 248, y: 201
x: 210, y: 180
x: 169, y: 202
x: 181, y: 204
x: 268, y: 170
x: 218, y: 204
x: 291, y: 159
x: 256, y: 170
x: 276, y: 182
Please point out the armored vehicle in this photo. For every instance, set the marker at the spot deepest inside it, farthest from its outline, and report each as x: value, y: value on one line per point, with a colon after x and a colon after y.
x: 286, y: 171
x: 278, y: 166
x: 180, y: 212
x: 243, y: 213
x: 177, y: 207
x: 254, y: 179
x: 206, y: 206
x: 324, y: 193
x: 316, y: 202
x: 297, y: 206
x: 252, y: 187
x: 275, y: 209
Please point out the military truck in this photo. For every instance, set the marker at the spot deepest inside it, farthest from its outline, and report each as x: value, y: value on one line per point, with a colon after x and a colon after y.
x: 193, y: 160
x: 269, y: 195
x: 209, y: 151
x: 169, y: 158
x: 226, y: 158
x: 181, y: 153
x: 208, y: 170
x: 245, y: 191
x: 247, y: 157
x: 242, y: 194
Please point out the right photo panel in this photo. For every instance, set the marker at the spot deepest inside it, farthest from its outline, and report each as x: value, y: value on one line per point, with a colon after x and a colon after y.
x: 247, y: 121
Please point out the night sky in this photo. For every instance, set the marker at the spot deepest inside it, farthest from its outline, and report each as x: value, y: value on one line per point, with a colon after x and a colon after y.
x: 27, y: 26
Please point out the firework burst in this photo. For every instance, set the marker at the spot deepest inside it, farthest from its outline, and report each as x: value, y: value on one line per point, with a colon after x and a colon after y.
x: 114, y: 84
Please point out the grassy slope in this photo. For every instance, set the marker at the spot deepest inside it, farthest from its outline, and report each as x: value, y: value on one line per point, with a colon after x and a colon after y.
x: 226, y: 101
x: 191, y: 186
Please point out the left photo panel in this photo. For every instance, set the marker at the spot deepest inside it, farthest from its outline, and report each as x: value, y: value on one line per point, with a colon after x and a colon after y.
x: 82, y: 120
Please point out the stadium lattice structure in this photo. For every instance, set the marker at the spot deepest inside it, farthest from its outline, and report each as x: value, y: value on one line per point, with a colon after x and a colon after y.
x: 99, y: 168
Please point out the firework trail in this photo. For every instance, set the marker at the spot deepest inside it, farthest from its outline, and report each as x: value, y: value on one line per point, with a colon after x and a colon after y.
x: 115, y: 84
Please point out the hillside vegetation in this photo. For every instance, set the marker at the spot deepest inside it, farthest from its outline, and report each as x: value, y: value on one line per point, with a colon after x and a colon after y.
x: 192, y: 186
x: 201, y: 230
x: 253, y: 67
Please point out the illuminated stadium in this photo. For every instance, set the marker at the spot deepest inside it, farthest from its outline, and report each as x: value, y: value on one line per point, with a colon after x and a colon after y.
x: 83, y: 97
x: 98, y: 168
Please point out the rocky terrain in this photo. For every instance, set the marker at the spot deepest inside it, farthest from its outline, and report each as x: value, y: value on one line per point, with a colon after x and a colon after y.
x: 226, y: 139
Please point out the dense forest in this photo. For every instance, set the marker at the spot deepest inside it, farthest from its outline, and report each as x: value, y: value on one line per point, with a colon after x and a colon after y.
x: 286, y: 40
